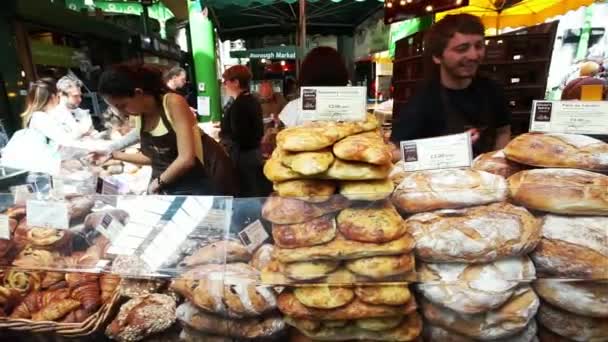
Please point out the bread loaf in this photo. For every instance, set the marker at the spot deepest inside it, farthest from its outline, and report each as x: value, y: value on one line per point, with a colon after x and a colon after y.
x: 317, y: 231
x: 573, y: 247
x: 342, y: 249
x: 323, y: 296
x: 275, y: 171
x: 505, y: 321
x: 546, y: 335
x: 448, y: 189
x: 435, y: 333
x: 474, y: 288
x: 380, y: 267
x: 281, y: 210
x: 574, y: 327
x: 366, y: 147
x: 262, y: 256
x: 373, y: 190
x: 477, y: 234
x: 408, y: 329
x: 496, y: 163
x: 376, y: 223
x: 217, y: 253
x: 559, y: 150
x: 309, y: 190
x: 306, y: 163
x: 142, y: 317
x: 561, y: 191
x: 579, y: 297
x: 249, y: 328
x: 356, y: 171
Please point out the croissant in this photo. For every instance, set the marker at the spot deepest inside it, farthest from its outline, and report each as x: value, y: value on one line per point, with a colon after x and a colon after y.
x: 52, y: 278
x: 108, y: 284
x: 8, y: 298
x: 35, y: 258
x: 88, y: 295
x: 55, y: 310
x: 76, y: 279
x: 76, y: 316
x: 37, y: 300
x: 22, y: 281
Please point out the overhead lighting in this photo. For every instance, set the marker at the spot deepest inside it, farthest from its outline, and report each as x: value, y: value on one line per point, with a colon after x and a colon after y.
x: 409, y: 1
x: 429, y: 8
x: 282, y: 63
x: 458, y: 2
x: 263, y: 60
x: 389, y: 5
x: 402, y: 3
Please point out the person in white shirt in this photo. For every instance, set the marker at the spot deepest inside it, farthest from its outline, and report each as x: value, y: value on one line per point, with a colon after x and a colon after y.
x: 323, y: 66
x: 75, y: 120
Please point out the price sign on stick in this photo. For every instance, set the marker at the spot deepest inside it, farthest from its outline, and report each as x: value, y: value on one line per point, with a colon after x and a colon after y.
x: 333, y: 103
x: 450, y: 151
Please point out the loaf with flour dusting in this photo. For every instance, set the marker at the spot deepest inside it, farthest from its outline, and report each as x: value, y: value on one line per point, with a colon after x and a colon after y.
x: 574, y: 327
x: 586, y: 298
x: 505, y: 321
x: 559, y: 150
x: 434, y: 333
x: 477, y: 234
x: 448, y: 189
x: 573, y: 247
x: 496, y: 163
x: 474, y: 288
x: 561, y: 191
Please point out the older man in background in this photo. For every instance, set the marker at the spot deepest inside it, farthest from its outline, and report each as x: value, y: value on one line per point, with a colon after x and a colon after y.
x: 68, y: 113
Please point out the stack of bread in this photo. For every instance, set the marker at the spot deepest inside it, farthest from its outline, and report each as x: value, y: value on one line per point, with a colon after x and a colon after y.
x: 352, y: 237
x: 342, y: 313
x: 225, y: 300
x: 570, y: 193
x: 472, y: 247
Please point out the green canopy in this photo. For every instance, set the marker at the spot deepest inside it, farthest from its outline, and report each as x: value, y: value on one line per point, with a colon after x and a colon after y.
x: 273, y: 52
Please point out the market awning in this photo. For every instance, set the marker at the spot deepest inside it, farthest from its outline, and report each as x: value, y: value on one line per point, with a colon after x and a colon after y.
x: 237, y: 19
x: 516, y: 13
x: 273, y: 52
x: 178, y: 7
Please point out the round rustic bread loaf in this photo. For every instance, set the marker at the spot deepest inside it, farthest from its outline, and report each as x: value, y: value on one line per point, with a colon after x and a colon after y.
x: 574, y: 327
x: 435, y: 333
x: 584, y: 298
x: 496, y: 163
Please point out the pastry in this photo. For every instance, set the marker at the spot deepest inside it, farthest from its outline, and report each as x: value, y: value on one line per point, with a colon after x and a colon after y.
x: 379, y: 267
x: 342, y: 249
x: 37, y: 300
x: 383, y: 294
x: 22, y: 281
x: 506, y: 320
x: 439, y: 334
x: 324, y: 297
x: 372, y: 190
x: 89, y: 296
x: 366, y: 147
x: 249, y: 328
x: 574, y: 327
x: 79, y: 207
x: 583, y: 298
x: 561, y: 191
x: 474, y: 288
x: 448, y: 189
x: 352, y: 171
x: 281, y: 210
x: 309, y: 190
x: 356, y: 309
x: 35, y: 258
x: 262, y: 256
x: 217, y: 253
x: 9, y: 298
x: 133, y: 288
x: 477, y: 234
x: 314, y: 232
x: 55, y: 310
x: 141, y: 317
x: 305, y: 163
x: 48, y: 238
x: 408, y: 329
x: 310, y: 270
x: 275, y: 171
x: 496, y: 163
x: 76, y: 279
x: 52, y: 278
x: 306, y: 139
x: 559, y: 150
x: 76, y: 316
x: 376, y: 223
x: 108, y: 283
x: 573, y: 247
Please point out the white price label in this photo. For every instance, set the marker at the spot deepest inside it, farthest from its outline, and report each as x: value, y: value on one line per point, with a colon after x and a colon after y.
x: 21, y: 193
x: 333, y: 103
x: 450, y: 151
x: 47, y: 214
x: 109, y: 227
x: 253, y: 236
x: 575, y: 117
x: 5, y: 228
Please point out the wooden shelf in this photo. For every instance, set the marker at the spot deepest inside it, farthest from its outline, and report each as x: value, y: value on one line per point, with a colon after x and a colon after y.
x: 521, y: 61
x: 412, y: 80
x: 409, y: 58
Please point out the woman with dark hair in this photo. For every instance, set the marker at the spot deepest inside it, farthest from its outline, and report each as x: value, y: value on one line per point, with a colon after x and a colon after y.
x: 323, y: 66
x: 184, y: 160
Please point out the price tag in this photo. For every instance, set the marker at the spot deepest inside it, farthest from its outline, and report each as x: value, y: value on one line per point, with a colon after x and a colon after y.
x: 5, y: 228
x: 333, y: 103
x: 109, y: 227
x: 253, y: 236
x: 21, y: 193
x: 47, y: 214
x: 450, y: 151
x: 575, y: 117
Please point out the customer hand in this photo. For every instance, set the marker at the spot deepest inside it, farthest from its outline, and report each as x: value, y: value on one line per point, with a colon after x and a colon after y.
x: 99, y: 157
x: 475, y: 134
x: 154, y: 187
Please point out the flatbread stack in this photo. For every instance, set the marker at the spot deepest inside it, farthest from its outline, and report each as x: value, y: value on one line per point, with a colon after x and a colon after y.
x: 329, y: 313
x: 356, y: 236
x: 569, y: 190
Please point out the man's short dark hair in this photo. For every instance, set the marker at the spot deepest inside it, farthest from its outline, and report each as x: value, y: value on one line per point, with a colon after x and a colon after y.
x: 323, y: 66
x: 173, y: 72
x: 437, y: 38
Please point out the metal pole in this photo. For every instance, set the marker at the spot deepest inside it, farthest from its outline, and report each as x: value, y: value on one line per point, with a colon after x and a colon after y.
x: 301, y: 34
x: 145, y: 17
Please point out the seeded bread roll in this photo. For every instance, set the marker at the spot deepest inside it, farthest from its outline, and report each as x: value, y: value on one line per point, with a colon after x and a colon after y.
x: 573, y: 247
x: 561, y: 191
x: 448, y: 189
x: 477, y: 234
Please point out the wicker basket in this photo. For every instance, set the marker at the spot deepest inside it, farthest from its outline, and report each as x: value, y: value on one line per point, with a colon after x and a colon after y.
x: 87, y: 327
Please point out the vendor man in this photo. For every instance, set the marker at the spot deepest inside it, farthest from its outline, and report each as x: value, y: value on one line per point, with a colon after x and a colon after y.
x: 454, y: 98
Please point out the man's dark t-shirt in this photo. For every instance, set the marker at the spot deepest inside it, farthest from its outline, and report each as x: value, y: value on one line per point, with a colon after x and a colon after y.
x: 243, y: 123
x: 435, y: 110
